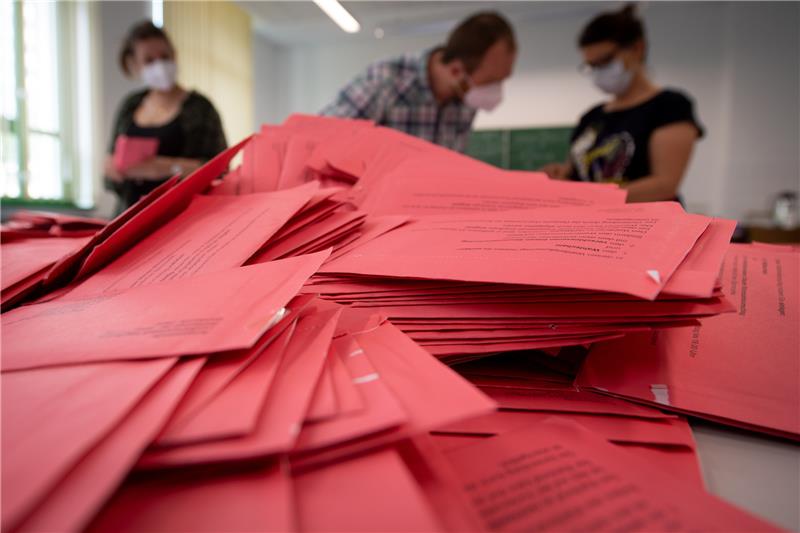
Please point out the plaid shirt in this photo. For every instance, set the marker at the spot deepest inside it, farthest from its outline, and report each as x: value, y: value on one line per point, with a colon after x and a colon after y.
x: 396, y: 93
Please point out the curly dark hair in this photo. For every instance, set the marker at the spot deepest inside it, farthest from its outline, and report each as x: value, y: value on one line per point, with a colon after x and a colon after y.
x: 139, y: 32
x: 622, y: 27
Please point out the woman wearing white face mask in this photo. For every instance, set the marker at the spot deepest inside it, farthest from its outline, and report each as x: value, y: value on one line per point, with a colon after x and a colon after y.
x: 643, y: 137
x: 183, y: 125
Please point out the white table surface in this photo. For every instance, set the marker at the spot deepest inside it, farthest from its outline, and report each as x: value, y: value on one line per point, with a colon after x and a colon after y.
x: 757, y: 473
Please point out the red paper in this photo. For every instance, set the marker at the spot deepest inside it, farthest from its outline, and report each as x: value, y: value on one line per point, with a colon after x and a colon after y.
x: 433, y: 186
x: 287, y: 402
x: 632, y: 249
x: 740, y: 368
x: 256, y: 498
x: 558, y: 476
x: 374, y: 492
x: 52, y: 417
x: 23, y: 258
x: 617, y: 427
x: 231, y: 311
x: 219, y: 372
x: 233, y: 411
x: 213, y: 233
x: 78, y: 496
x: 697, y: 275
x: 130, y: 151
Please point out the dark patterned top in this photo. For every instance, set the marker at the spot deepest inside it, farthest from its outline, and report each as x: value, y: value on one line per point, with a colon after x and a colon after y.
x: 195, y: 133
x: 199, y: 122
x: 615, y: 145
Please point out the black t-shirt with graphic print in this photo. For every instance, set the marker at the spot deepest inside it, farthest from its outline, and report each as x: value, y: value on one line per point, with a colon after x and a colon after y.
x: 615, y: 146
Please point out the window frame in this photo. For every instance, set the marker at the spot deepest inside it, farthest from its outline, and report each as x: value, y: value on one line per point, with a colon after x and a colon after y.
x: 67, y: 102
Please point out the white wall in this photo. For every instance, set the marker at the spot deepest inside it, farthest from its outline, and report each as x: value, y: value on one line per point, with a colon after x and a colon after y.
x: 763, y: 109
x: 740, y: 61
x: 270, y: 88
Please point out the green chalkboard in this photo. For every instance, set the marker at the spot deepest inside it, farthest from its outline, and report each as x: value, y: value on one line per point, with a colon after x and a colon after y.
x: 520, y: 149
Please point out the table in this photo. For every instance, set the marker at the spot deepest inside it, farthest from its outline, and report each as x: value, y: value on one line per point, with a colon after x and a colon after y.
x: 757, y: 473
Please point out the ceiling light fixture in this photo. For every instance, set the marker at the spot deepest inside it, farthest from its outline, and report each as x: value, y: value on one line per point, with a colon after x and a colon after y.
x: 339, y: 15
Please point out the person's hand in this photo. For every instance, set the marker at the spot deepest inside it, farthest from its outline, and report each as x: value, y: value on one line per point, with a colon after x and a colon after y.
x: 111, y: 171
x: 556, y: 171
x: 150, y: 169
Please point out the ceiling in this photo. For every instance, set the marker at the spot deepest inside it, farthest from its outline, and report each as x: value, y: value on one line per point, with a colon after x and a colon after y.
x: 294, y: 23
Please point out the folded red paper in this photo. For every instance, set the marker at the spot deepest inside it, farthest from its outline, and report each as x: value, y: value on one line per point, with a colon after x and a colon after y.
x: 739, y: 368
x: 558, y: 476
x: 130, y: 151
x: 215, y: 312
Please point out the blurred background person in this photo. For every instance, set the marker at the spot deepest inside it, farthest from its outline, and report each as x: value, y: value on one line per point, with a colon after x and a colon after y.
x: 185, y: 123
x: 644, y: 136
x: 436, y: 95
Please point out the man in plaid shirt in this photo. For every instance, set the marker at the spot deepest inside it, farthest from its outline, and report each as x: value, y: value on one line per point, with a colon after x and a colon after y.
x: 435, y: 95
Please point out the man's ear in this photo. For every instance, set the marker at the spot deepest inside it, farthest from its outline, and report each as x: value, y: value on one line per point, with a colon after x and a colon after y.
x: 457, y: 69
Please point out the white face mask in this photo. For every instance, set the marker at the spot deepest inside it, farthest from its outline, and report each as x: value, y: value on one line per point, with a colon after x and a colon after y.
x: 160, y: 75
x: 613, y: 78
x: 485, y: 97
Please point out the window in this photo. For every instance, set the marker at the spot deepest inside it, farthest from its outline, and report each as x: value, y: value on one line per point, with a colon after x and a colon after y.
x: 40, y: 73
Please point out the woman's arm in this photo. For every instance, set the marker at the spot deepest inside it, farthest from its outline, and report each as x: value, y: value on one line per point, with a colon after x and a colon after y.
x: 204, y: 137
x: 670, y: 150
x: 110, y: 171
x: 558, y: 171
x: 157, y: 168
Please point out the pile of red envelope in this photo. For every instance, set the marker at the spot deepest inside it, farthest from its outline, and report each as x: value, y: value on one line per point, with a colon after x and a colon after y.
x: 487, y: 283
x: 261, y: 349
x: 25, y: 224
x: 31, y: 242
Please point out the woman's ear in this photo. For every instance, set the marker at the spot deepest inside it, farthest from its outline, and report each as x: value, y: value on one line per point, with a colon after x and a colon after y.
x: 131, y: 67
x: 639, y: 49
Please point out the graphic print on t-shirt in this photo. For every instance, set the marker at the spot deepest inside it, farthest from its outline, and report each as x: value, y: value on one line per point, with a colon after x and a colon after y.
x: 604, y: 159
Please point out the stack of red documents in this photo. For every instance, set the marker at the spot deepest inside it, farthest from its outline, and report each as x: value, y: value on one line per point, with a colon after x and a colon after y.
x: 528, y: 388
x: 740, y: 368
x: 24, y: 224
x: 251, y: 350
x: 32, y: 241
x: 494, y: 282
x: 26, y: 261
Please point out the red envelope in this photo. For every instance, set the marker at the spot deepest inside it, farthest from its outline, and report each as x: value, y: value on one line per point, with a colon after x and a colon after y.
x: 130, y: 151
x: 373, y: 492
x: 429, y: 186
x: 52, y: 417
x: 569, y: 247
x: 281, y: 418
x: 558, y: 476
x: 227, y: 310
x: 79, y: 495
x: 23, y: 258
x: 256, y: 498
x: 739, y: 368
x: 212, y: 233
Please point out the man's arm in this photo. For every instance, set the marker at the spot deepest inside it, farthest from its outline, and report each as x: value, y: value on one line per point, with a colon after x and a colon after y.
x: 365, y: 98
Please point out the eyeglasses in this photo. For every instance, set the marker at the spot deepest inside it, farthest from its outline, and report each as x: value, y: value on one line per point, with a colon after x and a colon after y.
x: 587, y: 68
